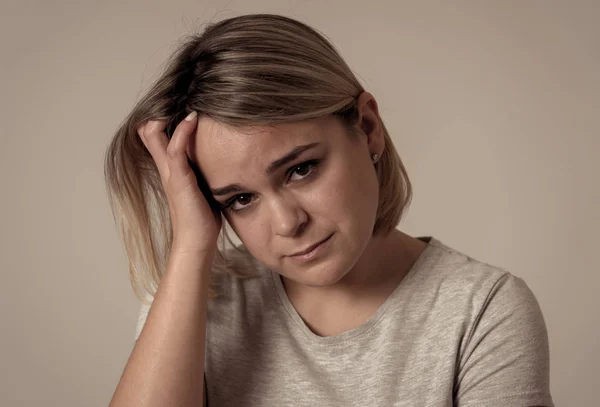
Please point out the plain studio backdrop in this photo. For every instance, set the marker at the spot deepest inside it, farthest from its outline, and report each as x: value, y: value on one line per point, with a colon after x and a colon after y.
x: 493, y: 106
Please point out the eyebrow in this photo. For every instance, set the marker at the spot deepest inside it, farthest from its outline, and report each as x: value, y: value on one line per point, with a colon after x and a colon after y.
x: 274, y: 166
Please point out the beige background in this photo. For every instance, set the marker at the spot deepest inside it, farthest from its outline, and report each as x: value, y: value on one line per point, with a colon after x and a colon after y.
x: 494, y: 106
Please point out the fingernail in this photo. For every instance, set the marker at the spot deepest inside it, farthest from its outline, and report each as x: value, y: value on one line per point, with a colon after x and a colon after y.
x: 191, y: 116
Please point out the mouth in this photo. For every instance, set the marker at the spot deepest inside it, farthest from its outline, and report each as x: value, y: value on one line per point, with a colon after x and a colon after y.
x: 311, y: 248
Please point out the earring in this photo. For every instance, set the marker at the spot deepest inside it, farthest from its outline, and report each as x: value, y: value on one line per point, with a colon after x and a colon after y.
x: 374, y: 157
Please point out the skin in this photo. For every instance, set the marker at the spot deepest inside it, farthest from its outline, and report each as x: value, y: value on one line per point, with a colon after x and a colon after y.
x: 330, y: 189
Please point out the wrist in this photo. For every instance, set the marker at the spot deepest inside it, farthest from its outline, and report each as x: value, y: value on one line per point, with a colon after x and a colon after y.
x: 193, y: 250
x: 188, y: 262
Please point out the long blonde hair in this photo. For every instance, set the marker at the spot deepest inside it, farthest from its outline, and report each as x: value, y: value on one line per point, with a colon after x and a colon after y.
x: 251, y: 70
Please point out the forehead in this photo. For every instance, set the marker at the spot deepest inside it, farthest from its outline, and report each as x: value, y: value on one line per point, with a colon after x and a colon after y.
x: 219, y: 149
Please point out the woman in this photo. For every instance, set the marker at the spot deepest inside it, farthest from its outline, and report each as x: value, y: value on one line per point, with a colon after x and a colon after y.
x: 325, y: 303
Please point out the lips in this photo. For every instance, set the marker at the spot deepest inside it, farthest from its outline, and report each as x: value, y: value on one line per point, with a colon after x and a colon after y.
x: 311, y: 248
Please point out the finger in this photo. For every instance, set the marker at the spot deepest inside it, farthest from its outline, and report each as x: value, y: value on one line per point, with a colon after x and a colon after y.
x: 178, y: 146
x: 156, y: 142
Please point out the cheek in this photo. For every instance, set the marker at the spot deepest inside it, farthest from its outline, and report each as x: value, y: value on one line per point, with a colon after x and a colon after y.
x: 253, y: 233
x: 346, y: 200
x: 355, y: 193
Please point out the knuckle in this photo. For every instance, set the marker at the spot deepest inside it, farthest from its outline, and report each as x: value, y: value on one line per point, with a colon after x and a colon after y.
x: 171, y: 151
x: 152, y: 126
x: 140, y: 130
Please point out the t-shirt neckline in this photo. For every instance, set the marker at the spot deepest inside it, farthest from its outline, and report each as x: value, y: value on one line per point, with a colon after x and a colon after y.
x: 301, y: 327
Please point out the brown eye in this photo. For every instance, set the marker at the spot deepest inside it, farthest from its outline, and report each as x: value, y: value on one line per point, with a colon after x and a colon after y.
x: 238, y: 203
x: 302, y: 171
x: 244, y: 199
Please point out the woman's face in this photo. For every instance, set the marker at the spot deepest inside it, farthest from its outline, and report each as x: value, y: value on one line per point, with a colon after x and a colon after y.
x: 284, y: 189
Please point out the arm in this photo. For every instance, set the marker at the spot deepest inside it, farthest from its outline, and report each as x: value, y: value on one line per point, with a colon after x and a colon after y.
x: 166, y: 366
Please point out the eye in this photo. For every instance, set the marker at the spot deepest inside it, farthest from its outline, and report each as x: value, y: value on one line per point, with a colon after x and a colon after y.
x: 303, y: 170
x: 238, y: 203
x: 241, y: 202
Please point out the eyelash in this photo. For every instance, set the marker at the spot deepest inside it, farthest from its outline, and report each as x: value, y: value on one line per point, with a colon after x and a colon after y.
x: 313, y: 164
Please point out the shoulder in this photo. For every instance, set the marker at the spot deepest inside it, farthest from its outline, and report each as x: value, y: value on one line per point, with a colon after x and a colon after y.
x: 490, y: 320
x: 484, y: 280
x: 457, y: 274
x: 461, y: 290
x: 503, y: 350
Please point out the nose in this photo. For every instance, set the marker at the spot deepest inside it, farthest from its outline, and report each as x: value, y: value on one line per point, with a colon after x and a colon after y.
x: 288, y: 216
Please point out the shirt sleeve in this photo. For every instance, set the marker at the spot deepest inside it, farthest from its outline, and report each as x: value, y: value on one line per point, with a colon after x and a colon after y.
x: 505, y: 361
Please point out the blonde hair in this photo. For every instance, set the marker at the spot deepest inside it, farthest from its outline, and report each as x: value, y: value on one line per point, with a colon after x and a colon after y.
x: 251, y: 70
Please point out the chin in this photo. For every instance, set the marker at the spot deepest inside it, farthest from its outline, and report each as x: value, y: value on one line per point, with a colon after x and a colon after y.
x: 321, y: 274
x: 326, y: 267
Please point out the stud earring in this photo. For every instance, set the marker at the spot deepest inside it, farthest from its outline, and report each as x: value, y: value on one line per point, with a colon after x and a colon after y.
x: 374, y: 157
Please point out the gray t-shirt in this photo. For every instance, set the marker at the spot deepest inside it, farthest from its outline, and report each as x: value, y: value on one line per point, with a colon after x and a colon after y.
x: 455, y: 332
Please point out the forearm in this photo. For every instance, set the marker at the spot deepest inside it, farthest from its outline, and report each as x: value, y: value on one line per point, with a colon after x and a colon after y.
x: 166, y: 366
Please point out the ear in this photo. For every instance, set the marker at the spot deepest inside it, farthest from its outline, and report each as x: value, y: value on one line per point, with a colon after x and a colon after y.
x: 370, y: 123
